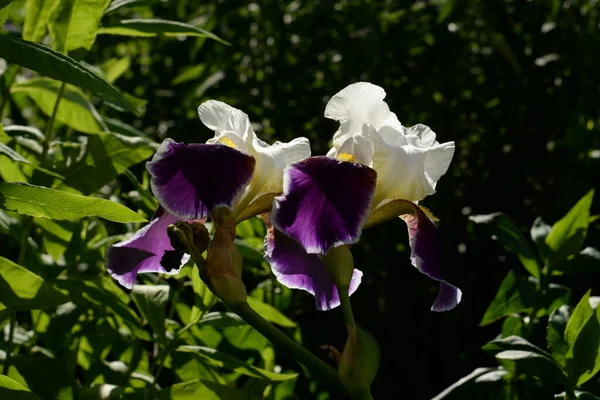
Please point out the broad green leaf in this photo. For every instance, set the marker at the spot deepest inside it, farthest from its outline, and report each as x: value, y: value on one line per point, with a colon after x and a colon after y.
x: 118, y: 126
x: 582, y: 335
x: 202, y: 389
x: 514, y: 295
x: 152, y: 302
x: 219, y: 359
x: 555, y: 334
x: 512, y: 326
x: 47, y: 377
x: 58, y: 66
x: 463, y: 388
x: 36, y: 18
x: 43, y: 202
x: 528, y: 357
x: 104, y: 302
x: 4, y: 13
x: 114, y: 68
x: 155, y: 27
x: 503, y: 229
x: 568, y: 234
x: 13, y: 390
x: 446, y: 10
x: 73, y: 25
x: 247, y: 251
x: 270, y: 313
x: 22, y: 290
x: 539, y: 232
x: 75, y: 108
x: 107, y: 155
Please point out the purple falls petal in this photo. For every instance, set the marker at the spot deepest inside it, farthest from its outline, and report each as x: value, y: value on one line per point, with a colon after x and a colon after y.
x: 296, y: 269
x: 427, y: 256
x: 190, y: 181
x: 142, y: 252
x: 325, y: 202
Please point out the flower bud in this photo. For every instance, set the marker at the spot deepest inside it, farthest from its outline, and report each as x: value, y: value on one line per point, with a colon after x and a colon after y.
x: 359, y: 362
x: 187, y: 237
x: 340, y: 265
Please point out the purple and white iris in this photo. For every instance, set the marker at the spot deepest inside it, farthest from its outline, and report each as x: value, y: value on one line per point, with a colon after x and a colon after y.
x: 234, y: 169
x: 377, y: 170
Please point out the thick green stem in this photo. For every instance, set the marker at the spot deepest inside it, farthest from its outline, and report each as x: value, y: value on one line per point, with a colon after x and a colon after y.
x: 303, y: 356
x: 346, y: 307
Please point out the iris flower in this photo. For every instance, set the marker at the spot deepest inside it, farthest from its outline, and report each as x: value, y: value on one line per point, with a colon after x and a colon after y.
x: 234, y: 169
x: 377, y: 170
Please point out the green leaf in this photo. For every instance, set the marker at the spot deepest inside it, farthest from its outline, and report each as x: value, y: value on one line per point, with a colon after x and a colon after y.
x: 539, y: 232
x: 202, y: 389
x: 13, y: 390
x: 517, y: 294
x: 36, y: 18
x: 582, y: 335
x: 586, y: 262
x: 156, y: 27
x: 203, y: 297
x: 219, y: 359
x: 114, y: 68
x: 56, y: 235
x: 446, y: 10
x: 555, y: 334
x: 116, y: 4
x: 152, y: 302
x: 58, y: 66
x: 22, y: 290
x: 503, y: 229
x: 43, y: 202
x: 75, y: 108
x: 104, y: 302
x: 73, y: 25
x: 4, y: 13
x: 527, y: 357
x: 568, y: 234
x: 247, y: 251
x: 270, y: 313
x: 107, y: 155
x: 464, y: 387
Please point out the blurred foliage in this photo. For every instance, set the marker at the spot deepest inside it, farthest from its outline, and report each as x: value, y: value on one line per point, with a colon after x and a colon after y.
x: 514, y: 83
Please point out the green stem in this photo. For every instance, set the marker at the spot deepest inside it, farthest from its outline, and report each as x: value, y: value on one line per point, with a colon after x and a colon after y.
x: 50, y: 127
x: 346, y: 306
x: 303, y: 356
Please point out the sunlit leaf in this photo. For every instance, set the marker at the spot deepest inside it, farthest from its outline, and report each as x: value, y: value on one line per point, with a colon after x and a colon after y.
x: 58, y: 66
x: 582, y: 334
x: 270, y: 313
x: 469, y: 385
x: 555, y: 334
x: 73, y: 25
x: 13, y: 390
x: 156, y: 27
x: 5, y: 7
x: 569, y: 233
x: 36, y: 18
x: 21, y: 289
x: 43, y: 202
x: 75, y: 108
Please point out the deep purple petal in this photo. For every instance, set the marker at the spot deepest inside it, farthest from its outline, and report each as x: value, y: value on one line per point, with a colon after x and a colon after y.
x: 427, y: 256
x: 297, y: 269
x: 190, y: 181
x: 143, y: 252
x: 325, y: 202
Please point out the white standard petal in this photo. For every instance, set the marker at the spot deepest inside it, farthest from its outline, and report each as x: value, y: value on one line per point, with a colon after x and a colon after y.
x: 357, y: 148
x: 219, y: 116
x: 357, y: 104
